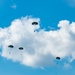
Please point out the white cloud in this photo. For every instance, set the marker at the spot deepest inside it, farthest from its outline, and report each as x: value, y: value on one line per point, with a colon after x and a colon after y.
x: 67, y: 65
x: 14, y: 6
x: 40, y: 48
x: 70, y: 2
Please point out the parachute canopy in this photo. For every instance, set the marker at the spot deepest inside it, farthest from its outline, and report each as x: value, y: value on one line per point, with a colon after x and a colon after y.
x: 58, y: 58
x: 34, y: 23
x: 11, y: 46
x: 20, y: 48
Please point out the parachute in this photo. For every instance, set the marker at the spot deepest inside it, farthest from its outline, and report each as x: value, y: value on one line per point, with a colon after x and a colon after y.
x: 11, y: 46
x: 34, y: 23
x: 58, y: 58
x: 20, y: 48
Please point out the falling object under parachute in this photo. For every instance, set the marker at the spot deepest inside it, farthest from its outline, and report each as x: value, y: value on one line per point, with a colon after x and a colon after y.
x: 21, y: 48
x: 58, y: 58
x: 10, y: 46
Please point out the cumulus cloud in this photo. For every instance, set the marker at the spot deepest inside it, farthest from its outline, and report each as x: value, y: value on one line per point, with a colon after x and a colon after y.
x: 40, y: 47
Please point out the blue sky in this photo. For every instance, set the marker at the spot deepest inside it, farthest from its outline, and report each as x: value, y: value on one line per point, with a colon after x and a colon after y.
x: 50, y: 13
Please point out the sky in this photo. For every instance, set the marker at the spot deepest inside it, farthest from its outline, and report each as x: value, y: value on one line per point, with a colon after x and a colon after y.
x: 54, y: 36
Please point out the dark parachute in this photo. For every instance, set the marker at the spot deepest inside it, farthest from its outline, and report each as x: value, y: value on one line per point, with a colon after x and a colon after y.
x: 11, y: 46
x: 20, y: 48
x: 34, y: 23
x: 58, y: 58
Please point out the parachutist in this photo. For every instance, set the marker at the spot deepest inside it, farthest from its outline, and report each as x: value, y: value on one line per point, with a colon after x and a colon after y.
x: 9, y: 53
